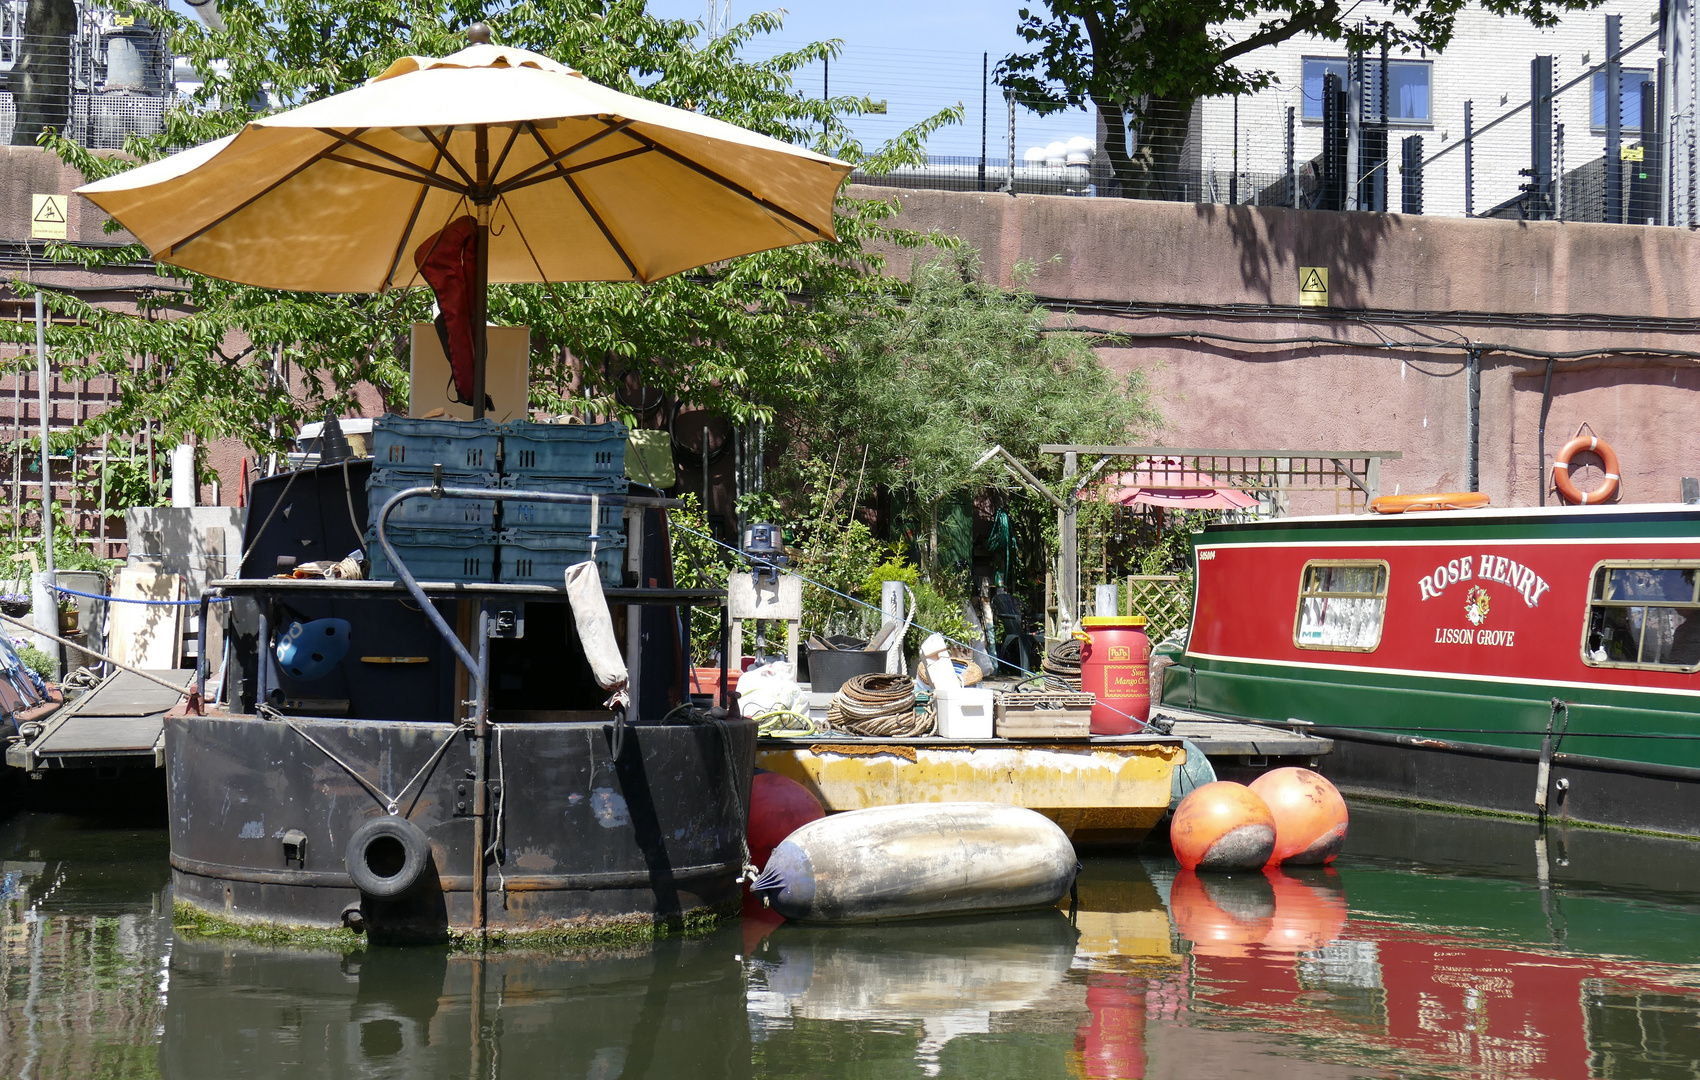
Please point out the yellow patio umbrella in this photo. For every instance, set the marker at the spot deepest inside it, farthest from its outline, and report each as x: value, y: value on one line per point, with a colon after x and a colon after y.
x: 568, y: 181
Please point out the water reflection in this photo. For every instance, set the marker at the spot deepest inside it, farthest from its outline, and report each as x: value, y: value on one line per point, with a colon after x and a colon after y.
x: 1438, y: 947
x: 669, y: 1009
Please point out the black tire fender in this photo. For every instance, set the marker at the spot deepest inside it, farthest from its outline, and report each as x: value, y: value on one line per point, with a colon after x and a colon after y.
x: 387, y: 855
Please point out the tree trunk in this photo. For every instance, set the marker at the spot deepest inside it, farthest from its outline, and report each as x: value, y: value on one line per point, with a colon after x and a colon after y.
x: 1163, y: 132
x: 41, y: 80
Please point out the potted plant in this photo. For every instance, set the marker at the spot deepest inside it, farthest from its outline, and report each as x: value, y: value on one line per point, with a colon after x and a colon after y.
x: 15, y: 604
x: 68, y: 616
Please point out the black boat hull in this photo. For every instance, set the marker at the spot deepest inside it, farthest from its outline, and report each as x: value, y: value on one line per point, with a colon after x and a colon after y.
x: 652, y: 841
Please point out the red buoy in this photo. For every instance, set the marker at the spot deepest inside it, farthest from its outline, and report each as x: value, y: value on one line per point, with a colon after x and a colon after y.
x: 779, y: 806
x: 1222, y: 826
x: 1115, y: 668
x: 1310, y: 816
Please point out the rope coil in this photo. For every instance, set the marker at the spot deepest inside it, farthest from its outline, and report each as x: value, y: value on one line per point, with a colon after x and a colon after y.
x: 879, y: 705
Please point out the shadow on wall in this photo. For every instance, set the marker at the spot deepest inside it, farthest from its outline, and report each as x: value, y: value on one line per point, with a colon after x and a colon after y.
x: 1273, y: 243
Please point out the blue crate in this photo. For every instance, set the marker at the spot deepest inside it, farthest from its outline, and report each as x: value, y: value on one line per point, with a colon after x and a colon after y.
x: 465, y: 553
x: 569, y: 518
x: 542, y: 558
x: 463, y: 446
x: 423, y: 512
x: 563, y: 450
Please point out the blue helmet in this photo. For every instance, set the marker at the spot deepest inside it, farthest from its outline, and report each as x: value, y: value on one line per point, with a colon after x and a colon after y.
x: 311, y: 650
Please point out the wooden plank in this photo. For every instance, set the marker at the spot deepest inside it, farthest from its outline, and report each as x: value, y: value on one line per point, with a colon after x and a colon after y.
x: 126, y: 694
x: 102, y: 735
x: 145, y: 636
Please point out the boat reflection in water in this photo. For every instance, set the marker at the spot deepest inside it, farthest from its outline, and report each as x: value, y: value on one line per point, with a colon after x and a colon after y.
x: 1440, y: 946
x: 665, y: 1009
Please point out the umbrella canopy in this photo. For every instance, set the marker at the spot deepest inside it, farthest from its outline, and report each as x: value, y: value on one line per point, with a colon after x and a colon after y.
x: 1168, y: 482
x: 575, y: 181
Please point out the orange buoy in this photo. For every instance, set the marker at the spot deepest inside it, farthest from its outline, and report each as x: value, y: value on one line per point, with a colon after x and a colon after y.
x: 779, y: 806
x: 1309, y: 911
x: 1310, y: 816
x: 1224, y: 915
x: 1222, y: 826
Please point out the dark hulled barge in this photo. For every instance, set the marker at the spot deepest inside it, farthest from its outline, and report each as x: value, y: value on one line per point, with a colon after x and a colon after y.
x: 444, y: 761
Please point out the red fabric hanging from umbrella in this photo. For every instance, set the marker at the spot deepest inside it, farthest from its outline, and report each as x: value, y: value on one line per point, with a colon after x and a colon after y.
x: 447, y: 260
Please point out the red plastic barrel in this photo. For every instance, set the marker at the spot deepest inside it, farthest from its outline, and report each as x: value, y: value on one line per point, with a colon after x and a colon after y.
x: 1115, y: 667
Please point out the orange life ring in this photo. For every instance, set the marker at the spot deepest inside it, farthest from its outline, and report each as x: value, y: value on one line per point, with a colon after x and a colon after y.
x: 1444, y: 500
x: 1567, y: 490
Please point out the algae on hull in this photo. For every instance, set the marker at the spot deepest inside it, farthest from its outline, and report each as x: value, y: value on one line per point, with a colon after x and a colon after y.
x: 625, y: 930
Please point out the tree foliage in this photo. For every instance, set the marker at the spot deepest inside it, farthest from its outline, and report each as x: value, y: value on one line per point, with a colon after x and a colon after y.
x: 1143, y: 63
x: 721, y: 336
x: 932, y: 384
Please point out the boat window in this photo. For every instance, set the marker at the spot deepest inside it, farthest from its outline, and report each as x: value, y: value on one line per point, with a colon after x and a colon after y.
x: 1341, y: 605
x: 1644, y: 614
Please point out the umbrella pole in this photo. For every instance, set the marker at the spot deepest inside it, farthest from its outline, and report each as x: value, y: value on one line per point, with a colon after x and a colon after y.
x: 481, y: 277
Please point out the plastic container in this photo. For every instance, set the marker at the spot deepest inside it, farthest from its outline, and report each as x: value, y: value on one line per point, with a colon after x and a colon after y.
x: 542, y: 558
x: 1115, y: 658
x: 565, y: 517
x: 563, y: 450
x: 462, y: 446
x: 830, y: 669
x: 430, y: 513
x: 464, y: 553
x: 965, y: 712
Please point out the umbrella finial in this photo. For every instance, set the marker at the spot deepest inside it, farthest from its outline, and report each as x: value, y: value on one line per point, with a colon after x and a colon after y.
x: 478, y: 34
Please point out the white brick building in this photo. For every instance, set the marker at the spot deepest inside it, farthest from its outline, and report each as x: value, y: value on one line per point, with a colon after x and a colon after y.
x: 1487, y: 63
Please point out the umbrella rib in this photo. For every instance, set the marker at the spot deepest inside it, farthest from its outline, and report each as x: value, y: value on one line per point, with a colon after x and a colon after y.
x: 409, y: 177
x: 552, y: 158
x: 412, y: 219
x: 174, y: 246
x: 416, y: 170
x: 589, y: 209
x: 443, y: 151
x: 513, y: 136
x: 728, y: 184
x: 609, y: 236
x: 562, y: 171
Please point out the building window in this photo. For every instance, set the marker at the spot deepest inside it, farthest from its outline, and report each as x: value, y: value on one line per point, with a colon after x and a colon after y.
x: 1409, y: 86
x: 1629, y: 115
x: 1315, y: 68
x: 1341, y: 605
x: 1644, y: 615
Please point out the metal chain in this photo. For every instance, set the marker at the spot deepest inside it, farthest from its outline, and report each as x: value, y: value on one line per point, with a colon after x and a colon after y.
x: 391, y: 804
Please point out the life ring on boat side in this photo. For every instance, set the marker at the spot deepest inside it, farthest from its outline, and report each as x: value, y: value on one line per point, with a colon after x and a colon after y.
x: 1567, y: 489
x: 1441, y: 500
x: 387, y: 855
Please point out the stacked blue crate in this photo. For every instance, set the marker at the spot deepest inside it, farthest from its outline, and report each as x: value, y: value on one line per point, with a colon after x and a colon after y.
x: 438, y: 539
x: 539, y: 539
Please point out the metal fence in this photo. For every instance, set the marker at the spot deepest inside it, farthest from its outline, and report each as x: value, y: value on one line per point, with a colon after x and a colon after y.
x: 1584, y: 144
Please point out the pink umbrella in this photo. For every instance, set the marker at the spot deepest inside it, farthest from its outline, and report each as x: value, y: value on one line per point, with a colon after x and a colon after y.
x: 1169, y: 482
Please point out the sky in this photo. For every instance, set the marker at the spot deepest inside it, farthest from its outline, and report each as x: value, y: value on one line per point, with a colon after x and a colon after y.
x: 918, y: 56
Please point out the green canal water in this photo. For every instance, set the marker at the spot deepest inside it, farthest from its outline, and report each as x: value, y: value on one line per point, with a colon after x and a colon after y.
x: 1441, y: 946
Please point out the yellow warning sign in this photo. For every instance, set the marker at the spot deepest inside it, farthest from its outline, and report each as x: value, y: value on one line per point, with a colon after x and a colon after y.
x: 47, y: 217
x: 1632, y: 153
x: 1313, y: 286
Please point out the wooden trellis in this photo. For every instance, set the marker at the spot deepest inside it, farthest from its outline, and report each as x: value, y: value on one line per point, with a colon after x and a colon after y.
x: 1164, y: 599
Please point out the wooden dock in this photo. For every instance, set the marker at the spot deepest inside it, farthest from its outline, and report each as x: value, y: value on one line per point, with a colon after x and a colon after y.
x: 119, y: 722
